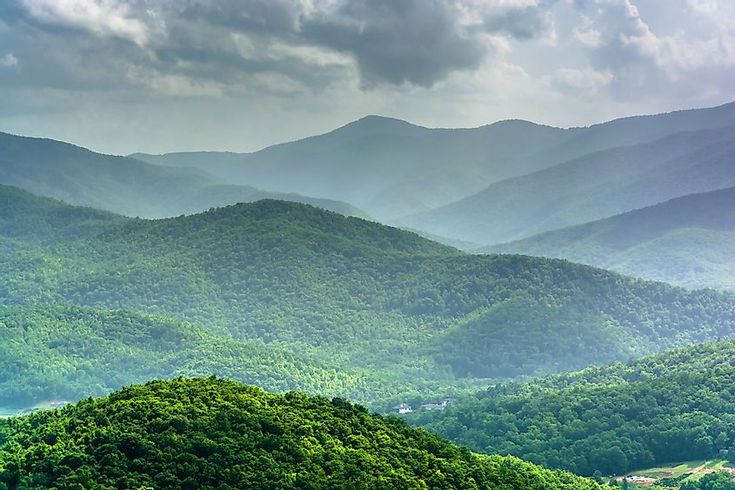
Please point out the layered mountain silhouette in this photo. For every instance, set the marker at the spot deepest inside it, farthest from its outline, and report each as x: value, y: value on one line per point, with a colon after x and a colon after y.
x: 588, y: 188
x: 391, y: 168
x: 688, y: 241
x: 124, y: 185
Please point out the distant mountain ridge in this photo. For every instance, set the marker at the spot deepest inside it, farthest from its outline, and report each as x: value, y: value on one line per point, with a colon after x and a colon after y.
x: 689, y: 241
x: 590, y: 187
x: 124, y: 185
x: 391, y: 168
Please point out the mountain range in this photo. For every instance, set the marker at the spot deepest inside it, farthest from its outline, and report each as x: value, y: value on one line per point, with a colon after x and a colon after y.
x: 541, y: 179
x: 124, y: 185
x: 591, y: 187
x: 340, y: 293
x: 688, y: 241
x: 393, y: 169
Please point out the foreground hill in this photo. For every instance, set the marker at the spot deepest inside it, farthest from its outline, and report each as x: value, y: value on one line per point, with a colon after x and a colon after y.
x: 361, y: 295
x: 123, y: 185
x: 209, y: 433
x: 674, y: 406
x: 688, y: 241
x: 595, y: 186
x: 392, y: 168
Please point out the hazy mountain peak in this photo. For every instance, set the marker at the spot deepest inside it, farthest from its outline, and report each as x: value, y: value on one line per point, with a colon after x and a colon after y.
x: 373, y: 122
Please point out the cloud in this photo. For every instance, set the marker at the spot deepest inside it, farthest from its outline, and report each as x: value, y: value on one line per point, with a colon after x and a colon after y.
x: 648, y: 57
x: 102, y: 17
x: 8, y: 61
x: 585, y: 80
x: 589, y: 37
x: 520, y: 20
x: 397, y: 41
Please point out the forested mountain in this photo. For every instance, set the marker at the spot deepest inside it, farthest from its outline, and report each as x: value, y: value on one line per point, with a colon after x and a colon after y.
x: 595, y: 186
x: 421, y: 317
x: 391, y: 168
x: 688, y: 241
x: 63, y: 352
x: 210, y: 433
x: 669, y: 407
x: 124, y: 185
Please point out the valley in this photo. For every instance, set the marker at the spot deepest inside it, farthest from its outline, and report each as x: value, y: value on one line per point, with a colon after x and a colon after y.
x: 675, y: 474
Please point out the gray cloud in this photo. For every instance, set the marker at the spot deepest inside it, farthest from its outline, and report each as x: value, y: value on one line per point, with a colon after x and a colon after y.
x: 389, y: 41
x: 397, y: 41
x: 520, y: 22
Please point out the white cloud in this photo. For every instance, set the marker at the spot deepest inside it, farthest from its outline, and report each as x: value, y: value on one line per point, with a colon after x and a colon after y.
x: 590, y: 37
x: 587, y: 80
x: 102, y: 17
x: 8, y: 61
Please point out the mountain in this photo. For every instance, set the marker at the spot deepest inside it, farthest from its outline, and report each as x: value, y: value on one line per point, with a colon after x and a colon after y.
x: 688, y: 241
x: 63, y: 352
x: 386, y: 166
x: 670, y: 407
x: 595, y: 186
x: 123, y: 185
x: 391, y: 168
x: 210, y: 433
x: 422, y: 319
x: 28, y: 218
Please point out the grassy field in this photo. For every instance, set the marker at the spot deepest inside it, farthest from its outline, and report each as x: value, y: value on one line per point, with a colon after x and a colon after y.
x: 690, y: 470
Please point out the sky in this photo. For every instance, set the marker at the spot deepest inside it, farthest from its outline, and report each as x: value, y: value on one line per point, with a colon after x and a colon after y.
x: 238, y: 75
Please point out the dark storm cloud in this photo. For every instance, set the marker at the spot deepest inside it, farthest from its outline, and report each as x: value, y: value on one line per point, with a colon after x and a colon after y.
x: 389, y: 41
x: 396, y: 41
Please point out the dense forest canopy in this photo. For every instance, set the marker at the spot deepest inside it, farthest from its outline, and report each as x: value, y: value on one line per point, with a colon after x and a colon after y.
x: 352, y: 294
x: 674, y: 406
x: 210, y: 433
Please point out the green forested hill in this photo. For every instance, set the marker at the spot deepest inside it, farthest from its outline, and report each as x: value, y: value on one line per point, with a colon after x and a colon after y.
x: 28, y: 218
x: 209, y: 433
x: 669, y: 407
x: 63, y: 352
x: 364, y: 296
x: 688, y: 241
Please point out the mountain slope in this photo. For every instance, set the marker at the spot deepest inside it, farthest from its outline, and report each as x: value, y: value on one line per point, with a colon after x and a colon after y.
x: 359, y: 295
x: 28, y: 218
x: 391, y: 168
x: 209, y: 433
x: 688, y: 241
x: 53, y: 351
x: 592, y: 187
x: 123, y: 185
x: 670, y: 407
x: 386, y: 166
